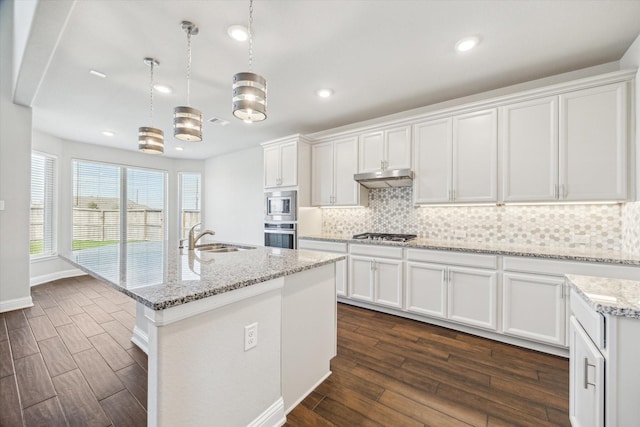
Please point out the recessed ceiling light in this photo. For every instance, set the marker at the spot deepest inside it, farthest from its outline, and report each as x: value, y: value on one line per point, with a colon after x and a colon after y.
x: 324, y: 93
x: 162, y: 88
x: 179, y: 148
x: 108, y: 133
x: 467, y: 44
x: 238, y: 32
x: 97, y: 73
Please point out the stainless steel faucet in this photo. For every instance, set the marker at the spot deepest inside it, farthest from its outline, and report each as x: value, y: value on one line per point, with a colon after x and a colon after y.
x: 193, y: 239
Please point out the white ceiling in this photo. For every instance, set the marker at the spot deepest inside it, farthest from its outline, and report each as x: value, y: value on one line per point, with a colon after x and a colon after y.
x: 380, y: 57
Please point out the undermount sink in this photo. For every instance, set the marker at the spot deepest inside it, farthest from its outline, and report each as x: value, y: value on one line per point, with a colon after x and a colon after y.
x: 221, y: 247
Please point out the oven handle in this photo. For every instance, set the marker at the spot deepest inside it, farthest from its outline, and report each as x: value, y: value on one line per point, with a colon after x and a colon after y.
x: 292, y: 232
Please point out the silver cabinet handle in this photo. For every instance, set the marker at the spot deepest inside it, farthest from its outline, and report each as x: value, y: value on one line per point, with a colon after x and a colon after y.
x: 586, y: 373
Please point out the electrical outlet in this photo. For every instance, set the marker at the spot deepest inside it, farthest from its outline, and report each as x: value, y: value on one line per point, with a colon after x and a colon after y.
x: 250, y: 336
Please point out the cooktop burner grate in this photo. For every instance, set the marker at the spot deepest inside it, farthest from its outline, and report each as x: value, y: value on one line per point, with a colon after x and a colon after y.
x: 385, y: 236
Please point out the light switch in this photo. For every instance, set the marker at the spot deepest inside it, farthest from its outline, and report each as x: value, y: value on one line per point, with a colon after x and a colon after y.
x: 1, y: 205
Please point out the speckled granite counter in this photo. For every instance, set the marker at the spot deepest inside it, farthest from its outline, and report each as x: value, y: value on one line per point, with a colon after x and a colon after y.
x: 608, y: 296
x: 567, y: 254
x: 161, y: 277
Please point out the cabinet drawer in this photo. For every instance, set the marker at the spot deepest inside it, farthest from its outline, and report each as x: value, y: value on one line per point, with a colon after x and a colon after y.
x: 457, y: 258
x: 322, y: 246
x: 591, y: 321
x: 376, y: 251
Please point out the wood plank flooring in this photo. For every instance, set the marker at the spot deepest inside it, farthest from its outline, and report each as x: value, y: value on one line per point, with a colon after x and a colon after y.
x: 61, y: 366
x: 69, y: 361
x: 397, y: 372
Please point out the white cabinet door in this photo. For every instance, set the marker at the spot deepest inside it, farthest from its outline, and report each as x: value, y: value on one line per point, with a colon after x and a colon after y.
x: 346, y: 190
x: 473, y: 297
x: 398, y: 148
x: 432, y: 161
x: 534, y: 307
x: 272, y: 166
x: 289, y: 164
x: 586, y: 379
x: 322, y: 174
x: 593, y: 143
x: 341, y: 278
x: 388, y: 282
x: 426, y: 289
x: 530, y: 150
x: 371, y: 152
x: 361, y: 278
x: 475, y: 157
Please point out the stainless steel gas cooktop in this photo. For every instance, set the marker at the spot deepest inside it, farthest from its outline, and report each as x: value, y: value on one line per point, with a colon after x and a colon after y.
x: 385, y: 236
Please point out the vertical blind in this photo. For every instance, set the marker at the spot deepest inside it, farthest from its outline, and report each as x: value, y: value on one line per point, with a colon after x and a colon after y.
x: 190, y: 200
x: 42, y: 217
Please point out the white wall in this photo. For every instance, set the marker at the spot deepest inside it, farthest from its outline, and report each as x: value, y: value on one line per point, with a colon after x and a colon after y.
x: 15, y: 172
x: 66, y: 152
x: 234, y: 196
x: 631, y: 59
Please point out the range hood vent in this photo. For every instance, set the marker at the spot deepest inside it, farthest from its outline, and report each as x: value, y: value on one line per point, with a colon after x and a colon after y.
x: 385, y: 179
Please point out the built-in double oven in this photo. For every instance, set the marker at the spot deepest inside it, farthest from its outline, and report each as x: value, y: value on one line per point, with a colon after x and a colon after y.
x: 280, y: 219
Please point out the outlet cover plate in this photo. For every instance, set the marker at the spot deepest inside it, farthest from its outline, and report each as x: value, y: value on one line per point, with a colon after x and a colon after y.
x: 250, y: 336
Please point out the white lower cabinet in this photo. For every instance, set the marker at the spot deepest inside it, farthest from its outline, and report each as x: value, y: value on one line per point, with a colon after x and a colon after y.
x: 586, y: 379
x: 473, y: 297
x: 374, y: 278
x: 465, y: 295
x: 341, y: 266
x: 534, y: 307
x: 426, y: 289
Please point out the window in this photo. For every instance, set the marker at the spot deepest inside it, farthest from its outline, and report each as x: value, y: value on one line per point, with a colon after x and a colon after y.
x: 43, y: 193
x: 114, y: 205
x: 190, y: 200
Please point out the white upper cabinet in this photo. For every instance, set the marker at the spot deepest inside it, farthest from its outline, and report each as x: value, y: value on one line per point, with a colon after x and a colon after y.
x: 333, y: 165
x: 569, y: 147
x: 281, y: 165
x: 432, y: 165
x: 385, y: 149
x: 529, y: 133
x: 475, y: 157
x: 456, y: 159
x: 593, y: 144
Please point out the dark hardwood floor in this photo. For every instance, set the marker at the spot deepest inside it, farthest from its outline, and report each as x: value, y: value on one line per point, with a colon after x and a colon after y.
x: 69, y: 361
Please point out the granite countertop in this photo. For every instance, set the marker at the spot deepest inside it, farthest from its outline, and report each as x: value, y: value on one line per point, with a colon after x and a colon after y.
x: 567, y: 254
x: 616, y: 297
x: 160, y: 276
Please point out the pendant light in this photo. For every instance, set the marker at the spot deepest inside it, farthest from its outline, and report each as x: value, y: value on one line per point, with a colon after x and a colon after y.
x: 187, y: 121
x: 150, y: 139
x: 250, y: 89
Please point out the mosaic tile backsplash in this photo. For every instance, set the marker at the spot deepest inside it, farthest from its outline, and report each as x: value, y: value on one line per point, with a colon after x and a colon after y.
x: 631, y: 228
x: 615, y: 227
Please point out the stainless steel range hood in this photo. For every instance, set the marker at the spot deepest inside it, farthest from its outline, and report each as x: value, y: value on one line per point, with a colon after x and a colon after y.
x: 385, y: 179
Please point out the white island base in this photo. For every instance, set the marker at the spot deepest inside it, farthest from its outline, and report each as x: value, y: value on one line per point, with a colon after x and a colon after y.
x: 199, y: 371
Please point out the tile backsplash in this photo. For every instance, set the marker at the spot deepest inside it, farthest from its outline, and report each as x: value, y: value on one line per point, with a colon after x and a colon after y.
x: 615, y: 226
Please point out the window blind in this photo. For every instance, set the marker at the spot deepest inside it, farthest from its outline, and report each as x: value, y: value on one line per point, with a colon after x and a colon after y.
x: 42, y: 236
x: 190, y: 200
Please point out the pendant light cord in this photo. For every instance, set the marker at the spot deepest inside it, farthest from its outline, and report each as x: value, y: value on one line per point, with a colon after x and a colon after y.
x: 151, y: 93
x: 250, y: 34
x: 189, y: 67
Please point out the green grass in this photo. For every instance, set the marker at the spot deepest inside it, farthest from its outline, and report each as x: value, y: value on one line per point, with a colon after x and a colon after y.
x: 86, y: 244
x: 36, y: 247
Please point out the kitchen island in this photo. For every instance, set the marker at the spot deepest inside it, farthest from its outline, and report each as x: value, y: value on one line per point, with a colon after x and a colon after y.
x: 233, y: 338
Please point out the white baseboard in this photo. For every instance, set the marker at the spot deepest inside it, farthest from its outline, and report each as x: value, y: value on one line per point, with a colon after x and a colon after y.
x: 15, y: 304
x: 273, y: 416
x: 45, y: 278
x: 140, y: 339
